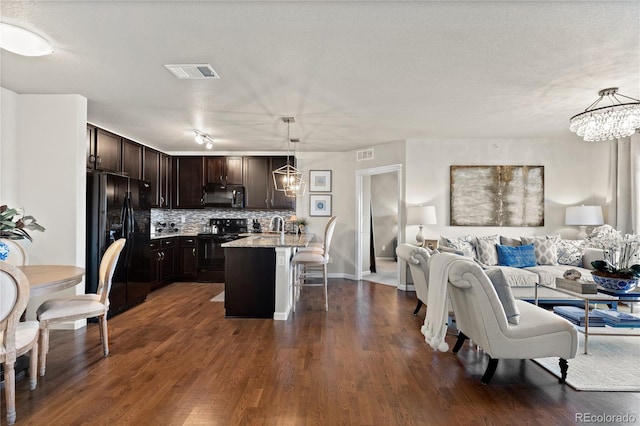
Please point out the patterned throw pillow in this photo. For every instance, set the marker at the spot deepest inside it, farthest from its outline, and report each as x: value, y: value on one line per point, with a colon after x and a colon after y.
x: 463, y: 244
x: 516, y: 257
x: 486, y: 249
x: 545, y: 248
x: 570, y: 252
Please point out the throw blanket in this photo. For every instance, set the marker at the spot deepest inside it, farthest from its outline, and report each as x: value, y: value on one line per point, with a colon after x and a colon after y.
x: 435, y: 323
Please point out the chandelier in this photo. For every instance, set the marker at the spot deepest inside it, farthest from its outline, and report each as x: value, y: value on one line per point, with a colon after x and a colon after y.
x: 615, y: 121
x: 287, y: 178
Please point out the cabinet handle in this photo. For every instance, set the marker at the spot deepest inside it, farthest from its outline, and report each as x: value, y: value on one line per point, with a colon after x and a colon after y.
x: 92, y: 158
x: 194, y: 252
x: 161, y: 201
x: 159, y: 257
x: 99, y: 159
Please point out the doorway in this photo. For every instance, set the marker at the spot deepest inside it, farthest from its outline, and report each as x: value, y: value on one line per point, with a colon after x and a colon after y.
x: 378, y: 204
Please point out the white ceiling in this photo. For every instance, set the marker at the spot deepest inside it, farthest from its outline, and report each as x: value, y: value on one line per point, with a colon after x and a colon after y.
x: 353, y: 74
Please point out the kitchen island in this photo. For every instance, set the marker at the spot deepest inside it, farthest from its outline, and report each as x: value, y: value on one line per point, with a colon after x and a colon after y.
x: 258, y: 275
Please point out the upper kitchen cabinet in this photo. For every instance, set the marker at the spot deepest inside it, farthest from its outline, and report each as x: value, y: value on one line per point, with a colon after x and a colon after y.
x: 132, y: 159
x: 157, y: 167
x: 104, y: 150
x: 224, y: 170
x: 188, y: 179
x: 258, y: 182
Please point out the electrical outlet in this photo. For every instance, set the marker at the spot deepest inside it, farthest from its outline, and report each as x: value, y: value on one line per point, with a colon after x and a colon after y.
x: 182, y: 219
x: 384, y: 247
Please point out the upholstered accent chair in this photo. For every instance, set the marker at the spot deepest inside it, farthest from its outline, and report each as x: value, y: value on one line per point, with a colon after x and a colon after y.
x: 417, y: 258
x: 480, y: 316
x: 305, y: 260
x: 17, y: 255
x: 81, y: 306
x: 16, y: 338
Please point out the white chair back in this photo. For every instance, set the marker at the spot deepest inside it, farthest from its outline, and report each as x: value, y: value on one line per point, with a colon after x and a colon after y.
x: 14, y: 296
x: 107, y: 268
x: 17, y: 256
x: 417, y: 258
x: 328, y: 235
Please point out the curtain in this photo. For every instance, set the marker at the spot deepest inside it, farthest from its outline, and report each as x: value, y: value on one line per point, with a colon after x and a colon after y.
x: 623, y: 198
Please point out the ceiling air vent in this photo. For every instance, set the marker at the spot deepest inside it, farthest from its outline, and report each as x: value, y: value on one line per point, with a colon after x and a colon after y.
x: 364, y: 155
x: 192, y: 71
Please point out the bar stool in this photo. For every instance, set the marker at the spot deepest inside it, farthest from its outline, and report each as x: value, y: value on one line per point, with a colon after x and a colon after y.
x: 306, y: 259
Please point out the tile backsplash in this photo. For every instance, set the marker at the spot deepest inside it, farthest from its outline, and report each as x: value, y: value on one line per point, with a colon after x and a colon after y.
x: 194, y: 219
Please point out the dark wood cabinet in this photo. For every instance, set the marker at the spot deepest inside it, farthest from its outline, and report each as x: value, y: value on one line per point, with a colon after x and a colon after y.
x: 108, y: 151
x: 165, y: 180
x: 132, y: 159
x: 151, y: 172
x: 260, y: 192
x: 223, y: 170
x: 91, y: 146
x: 250, y: 292
x: 256, y: 181
x: 188, y: 174
x: 162, y: 255
x: 187, y: 258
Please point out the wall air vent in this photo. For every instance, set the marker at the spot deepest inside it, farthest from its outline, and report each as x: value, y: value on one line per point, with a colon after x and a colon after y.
x: 364, y: 155
x: 192, y: 71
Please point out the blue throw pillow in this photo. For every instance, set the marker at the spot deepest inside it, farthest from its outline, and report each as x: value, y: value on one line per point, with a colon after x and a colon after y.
x: 517, y: 257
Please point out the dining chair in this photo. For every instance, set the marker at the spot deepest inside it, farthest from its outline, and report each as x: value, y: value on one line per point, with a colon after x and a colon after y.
x: 319, y: 245
x: 303, y: 260
x: 16, y: 338
x: 81, y: 306
x: 16, y: 254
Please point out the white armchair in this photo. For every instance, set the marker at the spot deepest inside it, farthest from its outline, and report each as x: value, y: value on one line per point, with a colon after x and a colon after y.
x: 481, y: 317
x: 417, y: 258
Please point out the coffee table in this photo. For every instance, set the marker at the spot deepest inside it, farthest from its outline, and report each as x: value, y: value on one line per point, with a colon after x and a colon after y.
x: 601, y: 296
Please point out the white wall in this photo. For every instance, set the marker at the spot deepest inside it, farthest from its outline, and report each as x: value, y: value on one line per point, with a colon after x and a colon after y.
x: 576, y: 172
x: 48, y: 147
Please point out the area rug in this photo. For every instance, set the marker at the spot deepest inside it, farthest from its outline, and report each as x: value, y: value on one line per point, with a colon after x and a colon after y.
x: 610, y: 365
x: 218, y: 298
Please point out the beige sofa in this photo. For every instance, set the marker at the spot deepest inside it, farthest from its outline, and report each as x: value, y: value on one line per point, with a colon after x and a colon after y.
x: 523, y: 280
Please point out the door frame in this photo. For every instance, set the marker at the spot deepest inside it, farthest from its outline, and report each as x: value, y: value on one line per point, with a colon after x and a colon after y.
x: 360, y: 174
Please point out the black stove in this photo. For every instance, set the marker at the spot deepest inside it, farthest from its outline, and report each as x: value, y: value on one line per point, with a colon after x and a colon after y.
x: 209, y: 247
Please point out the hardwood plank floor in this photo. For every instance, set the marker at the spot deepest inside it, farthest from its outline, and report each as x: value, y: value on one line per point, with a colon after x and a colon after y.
x: 175, y: 360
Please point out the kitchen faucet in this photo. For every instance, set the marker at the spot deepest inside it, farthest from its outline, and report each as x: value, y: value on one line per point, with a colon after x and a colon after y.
x: 281, y: 219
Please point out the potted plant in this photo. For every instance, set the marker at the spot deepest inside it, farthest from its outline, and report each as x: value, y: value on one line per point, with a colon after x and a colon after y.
x: 302, y: 224
x: 13, y: 226
x: 619, y: 269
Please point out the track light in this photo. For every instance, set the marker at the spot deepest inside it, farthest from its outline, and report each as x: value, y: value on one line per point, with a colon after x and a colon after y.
x: 203, y: 138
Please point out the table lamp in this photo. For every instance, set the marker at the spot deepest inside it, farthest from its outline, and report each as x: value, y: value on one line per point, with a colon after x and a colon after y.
x: 421, y: 215
x: 583, y: 216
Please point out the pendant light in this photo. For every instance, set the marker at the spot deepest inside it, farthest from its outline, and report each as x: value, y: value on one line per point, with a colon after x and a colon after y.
x: 287, y: 178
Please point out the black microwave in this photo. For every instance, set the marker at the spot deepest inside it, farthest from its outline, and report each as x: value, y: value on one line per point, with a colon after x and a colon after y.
x: 228, y: 196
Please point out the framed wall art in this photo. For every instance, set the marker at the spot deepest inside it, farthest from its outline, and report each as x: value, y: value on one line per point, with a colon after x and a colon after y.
x: 497, y: 196
x: 319, y: 180
x: 319, y: 205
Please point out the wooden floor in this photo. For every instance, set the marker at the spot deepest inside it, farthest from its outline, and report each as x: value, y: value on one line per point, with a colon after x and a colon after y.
x: 176, y: 360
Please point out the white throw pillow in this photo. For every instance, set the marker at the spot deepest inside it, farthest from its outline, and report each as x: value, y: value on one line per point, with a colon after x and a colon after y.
x: 486, y: 249
x: 463, y: 244
x: 545, y: 248
x: 570, y: 252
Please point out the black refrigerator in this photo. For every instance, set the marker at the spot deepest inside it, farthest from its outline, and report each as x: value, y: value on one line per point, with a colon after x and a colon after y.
x: 119, y: 207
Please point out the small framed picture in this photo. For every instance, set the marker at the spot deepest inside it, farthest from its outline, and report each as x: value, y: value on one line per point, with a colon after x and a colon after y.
x: 319, y: 205
x: 319, y: 180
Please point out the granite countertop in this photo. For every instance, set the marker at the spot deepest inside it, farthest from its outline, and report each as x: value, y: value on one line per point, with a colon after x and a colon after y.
x: 160, y: 235
x: 268, y: 240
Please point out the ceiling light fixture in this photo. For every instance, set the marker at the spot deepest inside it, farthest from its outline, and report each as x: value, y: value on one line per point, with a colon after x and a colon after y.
x: 23, y: 42
x: 287, y: 178
x: 615, y: 121
x: 203, y: 138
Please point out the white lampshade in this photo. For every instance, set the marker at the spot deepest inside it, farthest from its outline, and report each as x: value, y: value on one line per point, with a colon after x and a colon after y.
x: 421, y: 215
x: 583, y: 215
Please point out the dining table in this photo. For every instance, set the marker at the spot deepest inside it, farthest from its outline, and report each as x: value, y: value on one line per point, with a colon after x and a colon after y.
x: 46, y: 279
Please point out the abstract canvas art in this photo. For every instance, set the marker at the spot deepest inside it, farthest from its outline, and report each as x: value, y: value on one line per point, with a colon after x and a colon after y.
x: 497, y: 195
